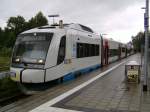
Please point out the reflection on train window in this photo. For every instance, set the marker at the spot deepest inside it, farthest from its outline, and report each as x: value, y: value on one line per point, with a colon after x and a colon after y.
x: 29, y: 48
x: 87, y: 50
x: 61, y: 52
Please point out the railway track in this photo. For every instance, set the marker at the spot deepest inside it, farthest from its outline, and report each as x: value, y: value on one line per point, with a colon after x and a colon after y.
x: 21, y: 98
x: 11, y: 99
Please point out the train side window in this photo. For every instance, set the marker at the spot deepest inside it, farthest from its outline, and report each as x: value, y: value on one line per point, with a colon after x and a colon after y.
x: 83, y: 50
x: 87, y: 50
x: 123, y: 49
x: 79, y: 50
x: 90, y: 50
x: 113, y: 52
x: 97, y: 50
x: 61, y: 52
x: 93, y: 46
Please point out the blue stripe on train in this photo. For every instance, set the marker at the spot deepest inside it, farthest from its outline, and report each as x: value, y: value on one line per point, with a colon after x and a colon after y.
x: 71, y: 76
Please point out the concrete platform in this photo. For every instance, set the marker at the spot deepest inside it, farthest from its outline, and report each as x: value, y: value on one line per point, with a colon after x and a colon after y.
x: 102, y: 90
x: 33, y: 101
x: 106, y: 92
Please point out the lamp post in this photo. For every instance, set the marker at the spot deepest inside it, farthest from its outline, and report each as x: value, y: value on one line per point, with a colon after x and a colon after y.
x: 146, y: 26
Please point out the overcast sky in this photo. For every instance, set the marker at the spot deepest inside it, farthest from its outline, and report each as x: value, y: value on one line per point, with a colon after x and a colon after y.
x: 119, y: 19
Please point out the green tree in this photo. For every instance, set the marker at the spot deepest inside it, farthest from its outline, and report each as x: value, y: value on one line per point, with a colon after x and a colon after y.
x: 38, y: 20
x: 1, y: 38
x: 11, y: 38
x: 16, y: 24
x: 138, y: 41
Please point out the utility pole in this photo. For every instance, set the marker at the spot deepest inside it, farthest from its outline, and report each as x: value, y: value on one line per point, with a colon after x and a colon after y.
x: 146, y: 25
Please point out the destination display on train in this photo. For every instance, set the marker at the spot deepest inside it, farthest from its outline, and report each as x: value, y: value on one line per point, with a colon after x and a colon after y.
x: 33, y: 38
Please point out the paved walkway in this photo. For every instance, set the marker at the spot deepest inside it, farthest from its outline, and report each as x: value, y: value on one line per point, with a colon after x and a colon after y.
x: 109, y: 94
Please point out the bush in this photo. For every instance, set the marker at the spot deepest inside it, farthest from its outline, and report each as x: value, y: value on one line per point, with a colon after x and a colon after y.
x: 5, y: 52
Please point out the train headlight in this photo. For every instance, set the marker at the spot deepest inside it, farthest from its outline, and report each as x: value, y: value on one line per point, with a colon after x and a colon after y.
x: 41, y: 61
x: 17, y: 60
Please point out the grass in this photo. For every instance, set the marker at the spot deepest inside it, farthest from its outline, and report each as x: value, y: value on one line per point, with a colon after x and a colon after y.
x: 8, y: 88
x: 4, y: 63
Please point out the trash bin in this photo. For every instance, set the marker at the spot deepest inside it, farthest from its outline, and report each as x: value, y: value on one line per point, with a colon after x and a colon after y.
x: 132, y: 72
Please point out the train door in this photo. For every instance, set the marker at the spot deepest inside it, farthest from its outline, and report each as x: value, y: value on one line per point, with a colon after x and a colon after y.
x: 126, y: 51
x: 62, y: 49
x: 102, y: 51
x: 119, y: 50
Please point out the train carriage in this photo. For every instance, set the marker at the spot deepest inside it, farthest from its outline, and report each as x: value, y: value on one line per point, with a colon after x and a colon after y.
x: 54, y: 52
x: 123, y: 50
x: 50, y: 52
x: 113, y: 51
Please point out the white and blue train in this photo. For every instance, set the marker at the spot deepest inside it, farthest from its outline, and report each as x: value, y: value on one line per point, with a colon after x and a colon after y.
x: 59, y: 51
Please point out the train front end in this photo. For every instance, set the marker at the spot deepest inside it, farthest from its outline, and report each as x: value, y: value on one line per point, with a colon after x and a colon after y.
x: 29, y: 56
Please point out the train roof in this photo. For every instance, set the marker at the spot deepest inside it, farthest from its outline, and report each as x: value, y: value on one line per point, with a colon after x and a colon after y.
x: 112, y: 40
x: 56, y: 27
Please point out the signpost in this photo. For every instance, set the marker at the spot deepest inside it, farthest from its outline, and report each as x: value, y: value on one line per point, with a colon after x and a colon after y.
x: 146, y: 26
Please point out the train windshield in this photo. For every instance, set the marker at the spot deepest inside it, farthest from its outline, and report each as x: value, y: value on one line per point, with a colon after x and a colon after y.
x: 31, y: 48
